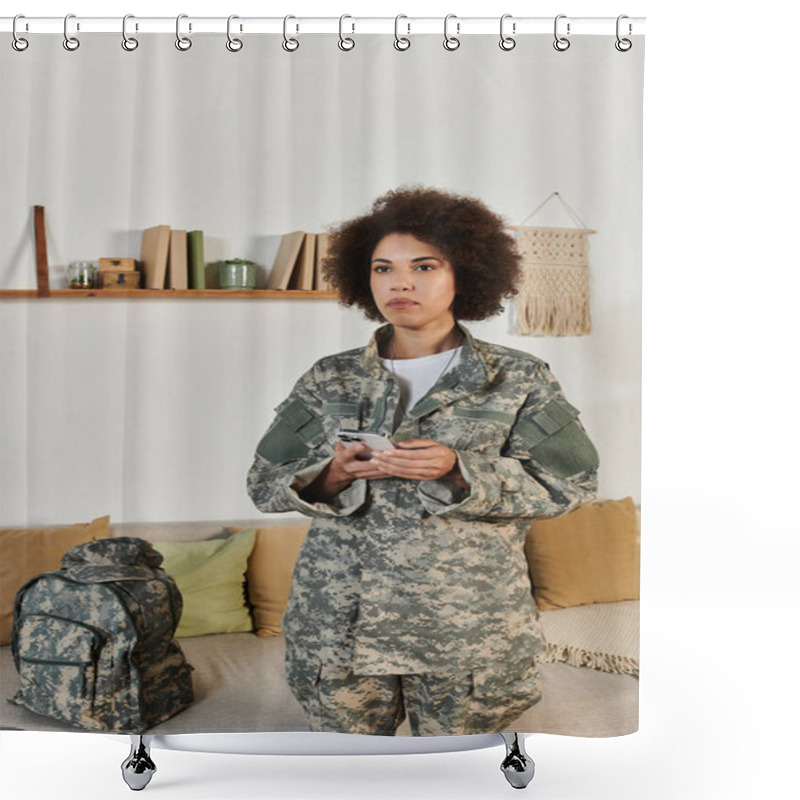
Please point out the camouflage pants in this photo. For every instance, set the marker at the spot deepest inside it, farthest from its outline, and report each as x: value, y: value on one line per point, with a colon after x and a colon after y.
x: 485, y: 700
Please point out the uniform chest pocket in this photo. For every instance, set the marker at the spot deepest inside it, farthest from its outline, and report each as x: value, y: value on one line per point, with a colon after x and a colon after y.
x: 480, y: 428
x: 485, y: 414
x: 340, y: 409
x: 341, y: 415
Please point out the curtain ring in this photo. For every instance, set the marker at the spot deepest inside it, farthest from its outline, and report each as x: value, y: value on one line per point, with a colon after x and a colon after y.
x: 451, y: 42
x: 233, y: 44
x: 400, y: 42
x: 128, y: 42
x: 182, y: 42
x: 345, y: 42
x: 623, y: 45
x: 289, y: 44
x: 507, y: 42
x: 18, y: 43
x: 561, y: 43
x: 70, y: 42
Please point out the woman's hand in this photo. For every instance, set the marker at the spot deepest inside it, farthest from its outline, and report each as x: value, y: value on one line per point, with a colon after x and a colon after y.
x: 421, y: 460
x: 340, y: 473
x: 346, y: 465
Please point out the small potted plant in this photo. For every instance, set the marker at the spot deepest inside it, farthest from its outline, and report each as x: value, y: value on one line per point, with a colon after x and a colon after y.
x: 237, y: 273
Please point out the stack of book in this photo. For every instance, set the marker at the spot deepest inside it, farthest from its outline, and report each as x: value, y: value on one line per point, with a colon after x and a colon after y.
x: 172, y: 259
x: 298, y: 262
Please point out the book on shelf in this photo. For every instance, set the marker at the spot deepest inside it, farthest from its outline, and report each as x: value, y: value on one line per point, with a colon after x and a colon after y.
x: 285, y: 260
x: 155, y: 250
x: 320, y: 284
x: 196, y: 260
x: 177, y: 265
x: 303, y: 274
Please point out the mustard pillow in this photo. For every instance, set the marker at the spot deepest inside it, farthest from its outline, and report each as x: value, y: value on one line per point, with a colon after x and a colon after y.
x: 27, y: 552
x: 590, y: 555
x: 269, y: 573
x: 210, y: 575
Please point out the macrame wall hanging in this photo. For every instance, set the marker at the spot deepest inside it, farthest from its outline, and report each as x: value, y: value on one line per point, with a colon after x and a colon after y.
x: 555, y: 291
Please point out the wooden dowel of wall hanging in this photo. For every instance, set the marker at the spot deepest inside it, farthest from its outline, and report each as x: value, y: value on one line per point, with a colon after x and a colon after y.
x: 42, y: 267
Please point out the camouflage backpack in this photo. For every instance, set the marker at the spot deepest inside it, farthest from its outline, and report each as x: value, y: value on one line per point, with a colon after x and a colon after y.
x: 93, y: 642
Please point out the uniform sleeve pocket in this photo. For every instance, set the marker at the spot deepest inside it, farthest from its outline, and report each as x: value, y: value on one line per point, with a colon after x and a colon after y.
x: 557, y: 440
x: 567, y: 452
x: 293, y: 433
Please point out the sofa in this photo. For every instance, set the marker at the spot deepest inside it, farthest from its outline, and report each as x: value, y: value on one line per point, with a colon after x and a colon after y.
x: 585, y: 574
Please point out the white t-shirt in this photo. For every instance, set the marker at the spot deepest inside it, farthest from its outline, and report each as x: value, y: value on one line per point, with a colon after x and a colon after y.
x: 417, y: 375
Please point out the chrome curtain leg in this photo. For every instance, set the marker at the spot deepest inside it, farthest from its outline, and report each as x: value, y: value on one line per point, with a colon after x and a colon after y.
x: 517, y: 766
x: 138, y: 768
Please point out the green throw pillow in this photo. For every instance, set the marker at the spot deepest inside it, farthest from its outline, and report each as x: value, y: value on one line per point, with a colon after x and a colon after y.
x: 210, y: 575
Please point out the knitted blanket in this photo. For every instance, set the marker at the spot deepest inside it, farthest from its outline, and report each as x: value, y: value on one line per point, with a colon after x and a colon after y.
x: 602, y: 636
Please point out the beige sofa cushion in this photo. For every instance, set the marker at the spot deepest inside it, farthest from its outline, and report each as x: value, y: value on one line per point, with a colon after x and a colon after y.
x: 27, y: 552
x: 269, y: 573
x: 590, y: 555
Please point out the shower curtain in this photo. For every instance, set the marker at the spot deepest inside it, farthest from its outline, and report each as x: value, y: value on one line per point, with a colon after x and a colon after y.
x: 139, y: 412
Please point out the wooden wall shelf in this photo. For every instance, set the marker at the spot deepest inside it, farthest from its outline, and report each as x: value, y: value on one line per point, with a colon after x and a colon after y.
x: 44, y: 290
x: 255, y: 294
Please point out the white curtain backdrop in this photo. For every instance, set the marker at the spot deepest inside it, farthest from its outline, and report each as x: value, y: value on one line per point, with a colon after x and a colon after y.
x: 150, y: 409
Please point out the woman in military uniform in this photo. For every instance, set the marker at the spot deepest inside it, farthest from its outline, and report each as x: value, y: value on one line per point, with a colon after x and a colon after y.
x: 411, y: 594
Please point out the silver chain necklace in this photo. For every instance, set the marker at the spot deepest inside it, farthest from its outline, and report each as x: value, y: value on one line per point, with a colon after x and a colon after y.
x: 401, y: 404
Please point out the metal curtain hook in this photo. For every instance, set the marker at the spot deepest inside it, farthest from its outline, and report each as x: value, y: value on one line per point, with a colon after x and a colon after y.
x: 561, y: 43
x: 128, y: 42
x: 18, y: 43
x: 451, y: 42
x: 345, y: 42
x: 289, y: 44
x: 234, y: 45
x: 507, y: 42
x: 70, y: 42
x: 400, y: 42
x: 623, y: 45
x: 182, y: 42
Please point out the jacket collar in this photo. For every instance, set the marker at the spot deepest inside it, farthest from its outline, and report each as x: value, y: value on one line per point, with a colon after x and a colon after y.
x: 470, y: 374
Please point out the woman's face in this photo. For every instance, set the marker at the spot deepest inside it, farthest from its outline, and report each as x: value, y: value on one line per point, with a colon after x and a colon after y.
x: 412, y: 282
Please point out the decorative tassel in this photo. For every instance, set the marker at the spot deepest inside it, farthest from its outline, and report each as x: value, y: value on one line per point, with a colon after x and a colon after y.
x: 577, y: 657
x: 554, y: 292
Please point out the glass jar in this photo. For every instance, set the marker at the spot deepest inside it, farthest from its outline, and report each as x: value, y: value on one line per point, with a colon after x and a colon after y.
x: 237, y: 274
x: 81, y: 275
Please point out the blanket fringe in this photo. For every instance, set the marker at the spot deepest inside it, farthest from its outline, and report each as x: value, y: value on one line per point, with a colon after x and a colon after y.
x: 577, y: 657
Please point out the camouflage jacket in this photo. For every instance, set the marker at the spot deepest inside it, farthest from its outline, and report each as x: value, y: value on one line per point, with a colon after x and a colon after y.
x: 405, y: 576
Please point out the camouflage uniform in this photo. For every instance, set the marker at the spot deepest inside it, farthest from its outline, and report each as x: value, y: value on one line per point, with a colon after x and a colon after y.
x: 406, y: 577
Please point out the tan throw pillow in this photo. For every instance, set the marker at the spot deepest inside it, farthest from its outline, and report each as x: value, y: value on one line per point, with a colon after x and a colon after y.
x: 590, y: 555
x: 269, y: 573
x: 27, y: 552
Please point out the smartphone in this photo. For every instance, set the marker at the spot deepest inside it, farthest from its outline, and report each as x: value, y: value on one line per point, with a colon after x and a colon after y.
x: 373, y: 441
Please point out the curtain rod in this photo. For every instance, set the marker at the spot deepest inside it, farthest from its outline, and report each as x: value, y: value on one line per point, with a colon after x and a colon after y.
x: 348, y: 25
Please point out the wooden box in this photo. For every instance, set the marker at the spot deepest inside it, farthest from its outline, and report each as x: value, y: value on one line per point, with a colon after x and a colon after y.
x: 116, y: 265
x: 120, y: 280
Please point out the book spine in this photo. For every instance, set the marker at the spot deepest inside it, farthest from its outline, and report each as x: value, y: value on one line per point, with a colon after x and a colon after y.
x: 197, y: 263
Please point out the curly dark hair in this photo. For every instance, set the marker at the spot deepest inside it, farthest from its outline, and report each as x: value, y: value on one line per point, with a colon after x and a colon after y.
x: 473, y: 238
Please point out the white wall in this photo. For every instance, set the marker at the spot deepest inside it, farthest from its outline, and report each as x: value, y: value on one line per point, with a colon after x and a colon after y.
x: 151, y: 409
x: 719, y: 687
